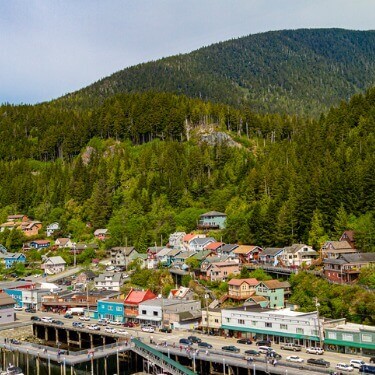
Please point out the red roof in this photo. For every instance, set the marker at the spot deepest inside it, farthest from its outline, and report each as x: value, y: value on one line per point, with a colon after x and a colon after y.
x: 188, y: 237
x: 238, y: 282
x: 135, y: 297
x: 213, y: 245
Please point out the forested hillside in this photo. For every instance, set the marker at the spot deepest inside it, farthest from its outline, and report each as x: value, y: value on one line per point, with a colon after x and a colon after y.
x: 137, y: 165
x: 302, y: 71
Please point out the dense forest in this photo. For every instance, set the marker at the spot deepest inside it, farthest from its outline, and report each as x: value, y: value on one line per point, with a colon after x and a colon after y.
x: 138, y: 164
x: 302, y: 71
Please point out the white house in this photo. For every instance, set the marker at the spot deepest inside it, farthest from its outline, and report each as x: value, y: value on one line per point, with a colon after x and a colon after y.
x: 176, y: 240
x: 7, y: 309
x: 298, y: 254
x: 198, y: 244
x: 33, y: 297
x: 53, y: 265
x: 64, y: 243
x: 51, y: 228
x: 279, y: 326
x: 109, y: 281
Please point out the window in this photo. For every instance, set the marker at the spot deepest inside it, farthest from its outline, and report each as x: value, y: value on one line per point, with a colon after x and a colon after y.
x: 283, y: 326
x: 253, y: 322
x: 347, y: 336
x: 118, y: 308
x: 110, y: 308
x: 155, y: 313
x: 366, y: 337
x: 241, y: 321
x: 216, y: 320
x: 332, y: 335
x: 144, y: 312
x: 299, y: 330
x: 268, y: 325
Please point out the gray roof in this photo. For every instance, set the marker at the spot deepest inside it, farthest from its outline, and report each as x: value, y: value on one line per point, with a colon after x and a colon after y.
x: 123, y: 249
x: 294, y: 248
x: 161, y: 302
x: 228, y: 248
x: 271, y: 251
x: 55, y: 260
x: 116, y: 276
x: 202, y: 241
x: 213, y: 213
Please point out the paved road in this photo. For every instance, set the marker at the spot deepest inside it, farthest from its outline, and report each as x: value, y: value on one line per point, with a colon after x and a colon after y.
x: 216, y: 341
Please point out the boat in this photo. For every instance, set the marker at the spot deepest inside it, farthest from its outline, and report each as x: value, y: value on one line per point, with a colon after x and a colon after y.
x: 12, y: 370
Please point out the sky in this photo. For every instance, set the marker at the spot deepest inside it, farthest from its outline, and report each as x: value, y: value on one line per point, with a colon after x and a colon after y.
x: 52, y: 47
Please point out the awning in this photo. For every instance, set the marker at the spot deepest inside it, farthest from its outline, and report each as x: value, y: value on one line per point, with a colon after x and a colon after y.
x: 153, y: 318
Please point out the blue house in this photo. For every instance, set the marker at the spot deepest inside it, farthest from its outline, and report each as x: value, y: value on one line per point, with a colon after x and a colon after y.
x: 112, y: 309
x: 16, y: 294
x: 212, y: 220
x: 40, y: 244
x: 11, y: 258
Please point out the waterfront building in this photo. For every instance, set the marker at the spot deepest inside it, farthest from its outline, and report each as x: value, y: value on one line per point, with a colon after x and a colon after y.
x: 112, y: 309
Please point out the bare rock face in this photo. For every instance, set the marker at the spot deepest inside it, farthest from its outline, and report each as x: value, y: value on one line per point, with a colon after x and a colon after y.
x: 215, y: 138
x: 86, y: 156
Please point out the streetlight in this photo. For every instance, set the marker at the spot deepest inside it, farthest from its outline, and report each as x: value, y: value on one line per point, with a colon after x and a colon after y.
x: 253, y: 368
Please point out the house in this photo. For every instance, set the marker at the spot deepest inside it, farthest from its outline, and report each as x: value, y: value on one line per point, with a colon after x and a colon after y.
x: 17, y: 218
x: 176, y: 240
x: 53, y: 265
x: 228, y: 249
x: 7, y: 309
x: 188, y: 238
x: 270, y: 255
x: 182, y: 293
x: 333, y: 249
x: 257, y: 300
x: 85, y: 277
x: 161, y: 256
x: 123, y: 256
x: 132, y: 301
x: 78, y: 248
x: 64, y: 243
x: 152, y: 261
x: 278, y: 326
x: 101, y: 234
x: 248, y: 253
x: 170, y: 312
x: 11, y: 258
x: 52, y: 228
x: 274, y: 291
x: 212, y: 220
x: 219, y: 271
x: 182, y: 257
x: 298, y: 255
x: 31, y: 228
x: 348, y: 236
x: 40, y: 244
x: 347, y: 267
x: 241, y: 289
x: 172, y: 253
x: 211, y: 320
x: 198, y: 244
x: 214, y: 246
x: 109, y: 281
x: 111, y: 309
x: 200, y: 256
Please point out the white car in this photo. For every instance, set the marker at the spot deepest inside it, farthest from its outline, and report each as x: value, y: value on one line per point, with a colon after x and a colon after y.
x: 357, y: 363
x: 110, y: 268
x: 46, y: 319
x: 122, y: 332
x: 294, y: 358
x: 93, y: 327
x: 115, y: 322
x: 344, y: 367
x: 315, y: 350
x: 110, y: 330
x: 148, y: 329
x: 17, y: 308
x: 84, y: 318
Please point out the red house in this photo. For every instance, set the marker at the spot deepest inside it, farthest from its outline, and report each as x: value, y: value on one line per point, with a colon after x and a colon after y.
x: 132, y: 301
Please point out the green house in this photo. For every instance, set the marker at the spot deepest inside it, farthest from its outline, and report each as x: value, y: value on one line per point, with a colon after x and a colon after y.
x: 274, y: 291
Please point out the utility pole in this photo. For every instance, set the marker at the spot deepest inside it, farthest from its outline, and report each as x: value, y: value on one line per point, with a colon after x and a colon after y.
x: 317, y: 304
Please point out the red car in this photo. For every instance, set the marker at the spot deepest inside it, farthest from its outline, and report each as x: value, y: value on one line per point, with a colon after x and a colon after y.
x: 129, y: 324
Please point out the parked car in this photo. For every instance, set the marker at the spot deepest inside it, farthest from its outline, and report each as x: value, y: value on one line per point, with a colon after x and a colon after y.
x: 230, y: 348
x: 30, y: 310
x: 110, y: 330
x: 102, y: 322
x: 15, y: 342
x: 203, y: 344
x: 294, y: 358
x: 318, y: 362
x: 110, y: 268
x: 115, y: 322
x: 68, y: 316
x: 150, y: 329
x: 315, y: 350
x: 35, y: 318
x: 244, y: 341
x: 291, y: 346
x: 58, y: 322
x: 46, y: 319
x: 265, y: 349
x: 78, y: 325
x: 17, y: 308
x: 165, y: 329
x: 122, y: 331
x: 84, y: 318
x: 264, y: 343
x: 357, y: 363
x: 344, y: 367
x: 252, y: 352
x: 129, y: 324
x: 93, y: 327
x: 186, y: 342
x: 194, y: 339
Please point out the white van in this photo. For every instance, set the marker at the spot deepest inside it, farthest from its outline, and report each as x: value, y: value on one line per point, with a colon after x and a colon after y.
x: 264, y: 349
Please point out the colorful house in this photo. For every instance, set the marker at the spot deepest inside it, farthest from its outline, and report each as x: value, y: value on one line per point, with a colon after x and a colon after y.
x: 220, y: 271
x: 212, y: 220
x: 247, y: 253
x: 40, y: 244
x: 112, y: 309
x: 132, y: 301
x: 241, y: 289
x: 274, y: 291
x: 11, y: 258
